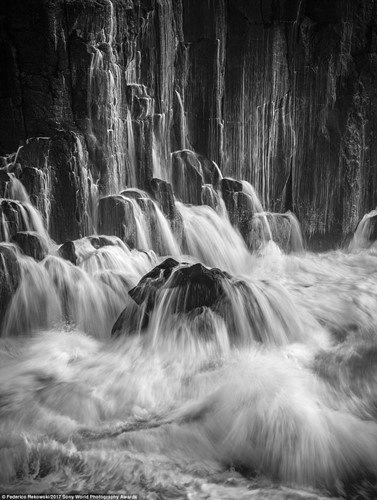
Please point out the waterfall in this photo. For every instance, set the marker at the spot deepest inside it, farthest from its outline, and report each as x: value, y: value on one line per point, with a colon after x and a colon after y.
x: 219, y: 356
x: 211, y: 239
x: 166, y: 330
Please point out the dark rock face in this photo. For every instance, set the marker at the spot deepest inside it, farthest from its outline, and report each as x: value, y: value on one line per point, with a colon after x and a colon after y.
x: 198, y: 287
x: 210, y: 197
x: 281, y: 94
x: 194, y: 286
x: 132, y: 320
x: 67, y: 251
x: 135, y: 315
x: 54, y: 172
x: 193, y: 290
x: 14, y: 217
x: 145, y: 291
x: 238, y: 206
x: 163, y: 194
x: 116, y: 217
x: 187, y: 177
x: 31, y: 244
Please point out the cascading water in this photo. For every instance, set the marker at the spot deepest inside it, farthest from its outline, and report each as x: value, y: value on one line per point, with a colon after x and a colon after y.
x: 215, y: 384
x: 185, y: 344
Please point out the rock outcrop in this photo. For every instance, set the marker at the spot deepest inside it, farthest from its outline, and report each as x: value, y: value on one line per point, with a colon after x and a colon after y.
x: 98, y: 94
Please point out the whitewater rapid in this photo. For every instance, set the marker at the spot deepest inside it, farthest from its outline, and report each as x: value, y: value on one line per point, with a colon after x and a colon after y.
x: 287, y: 405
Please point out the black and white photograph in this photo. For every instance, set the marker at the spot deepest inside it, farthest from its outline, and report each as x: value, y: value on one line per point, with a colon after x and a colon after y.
x: 188, y: 249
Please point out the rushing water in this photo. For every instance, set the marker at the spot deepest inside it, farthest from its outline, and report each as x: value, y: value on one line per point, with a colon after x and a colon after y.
x: 272, y: 395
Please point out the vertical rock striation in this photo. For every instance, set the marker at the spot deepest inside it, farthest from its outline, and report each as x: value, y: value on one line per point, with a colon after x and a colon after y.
x: 107, y: 94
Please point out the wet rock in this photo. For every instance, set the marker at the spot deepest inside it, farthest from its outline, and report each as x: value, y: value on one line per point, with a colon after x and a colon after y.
x: 238, y: 206
x: 4, y: 180
x: 55, y: 174
x: 10, y: 274
x: 197, y: 287
x: 135, y: 316
x: 131, y: 321
x: 140, y: 103
x: 145, y: 291
x: 13, y: 218
x: 116, y: 217
x: 163, y: 194
x: 132, y: 194
x: 369, y: 228
x: 191, y: 287
x: 67, y: 251
x: 186, y: 177
x: 101, y: 241
x: 210, y: 197
x: 210, y: 172
x: 31, y: 244
x: 265, y: 89
x: 242, y: 214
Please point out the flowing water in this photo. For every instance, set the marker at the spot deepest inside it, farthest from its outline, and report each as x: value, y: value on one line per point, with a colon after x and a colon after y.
x: 271, y: 395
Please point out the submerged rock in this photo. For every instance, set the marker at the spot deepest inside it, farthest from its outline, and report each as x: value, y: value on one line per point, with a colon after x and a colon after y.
x: 196, y: 286
x: 145, y: 291
x: 31, y: 244
x: 131, y: 320
x: 191, y: 287
x: 67, y: 251
x: 135, y: 316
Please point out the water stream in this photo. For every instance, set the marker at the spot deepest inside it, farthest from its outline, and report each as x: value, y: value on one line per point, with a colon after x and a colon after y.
x: 270, y: 393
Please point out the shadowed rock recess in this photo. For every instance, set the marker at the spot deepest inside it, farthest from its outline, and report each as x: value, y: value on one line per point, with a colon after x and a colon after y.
x: 103, y: 95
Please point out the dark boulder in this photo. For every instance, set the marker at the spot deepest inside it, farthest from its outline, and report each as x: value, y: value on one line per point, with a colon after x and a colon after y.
x: 131, y: 320
x: 31, y: 244
x: 116, y: 217
x: 145, y: 291
x: 67, y: 251
x: 196, y: 287
x: 191, y: 287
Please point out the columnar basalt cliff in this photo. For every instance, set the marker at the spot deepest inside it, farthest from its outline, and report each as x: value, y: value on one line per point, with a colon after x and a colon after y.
x: 101, y: 93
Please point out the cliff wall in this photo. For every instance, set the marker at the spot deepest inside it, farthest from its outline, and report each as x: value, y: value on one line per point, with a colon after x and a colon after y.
x: 279, y: 93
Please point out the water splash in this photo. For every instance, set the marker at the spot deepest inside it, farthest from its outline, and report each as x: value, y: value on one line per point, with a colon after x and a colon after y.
x: 211, y: 239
